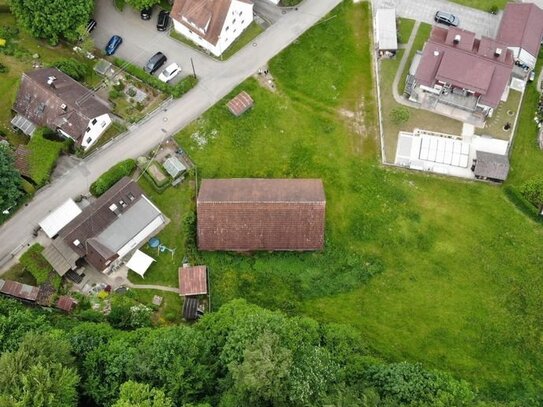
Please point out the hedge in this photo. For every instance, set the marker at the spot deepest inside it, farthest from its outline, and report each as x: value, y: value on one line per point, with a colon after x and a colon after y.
x: 175, y: 91
x: 112, y: 176
x: 35, y: 263
x: 523, y: 204
x: 43, y: 156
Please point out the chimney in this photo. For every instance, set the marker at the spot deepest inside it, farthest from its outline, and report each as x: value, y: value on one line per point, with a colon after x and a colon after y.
x: 498, y: 52
x: 436, y: 53
x: 457, y: 38
x: 51, y: 80
x: 63, y: 106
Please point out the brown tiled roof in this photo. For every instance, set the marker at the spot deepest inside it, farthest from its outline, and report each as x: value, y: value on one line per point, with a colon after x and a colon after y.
x: 522, y: 26
x: 240, y: 104
x: 18, y: 290
x: 474, y: 66
x: 66, y: 303
x: 261, y: 214
x: 192, y: 280
x: 22, y: 160
x: 41, y: 103
x: 96, y: 217
x: 208, y: 16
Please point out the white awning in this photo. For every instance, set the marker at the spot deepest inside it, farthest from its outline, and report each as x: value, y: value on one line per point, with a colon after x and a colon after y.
x: 139, y: 262
x: 59, y: 218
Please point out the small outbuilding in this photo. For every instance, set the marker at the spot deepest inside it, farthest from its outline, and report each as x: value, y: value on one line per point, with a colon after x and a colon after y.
x: 385, y: 25
x: 240, y: 104
x: 66, y: 303
x: 59, y: 218
x: 18, y: 290
x: 192, y: 281
x: 191, y: 309
x: 492, y: 167
x: 174, y: 167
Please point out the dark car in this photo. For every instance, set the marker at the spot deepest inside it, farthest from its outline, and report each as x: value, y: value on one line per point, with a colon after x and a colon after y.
x: 446, y: 18
x: 155, y: 62
x: 91, y: 25
x: 146, y: 13
x: 113, y: 44
x: 163, y: 20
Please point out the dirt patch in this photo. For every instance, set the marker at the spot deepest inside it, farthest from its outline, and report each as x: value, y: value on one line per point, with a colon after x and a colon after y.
x: 356, y: 119
x: 157, y: 175
x: 265, y: 78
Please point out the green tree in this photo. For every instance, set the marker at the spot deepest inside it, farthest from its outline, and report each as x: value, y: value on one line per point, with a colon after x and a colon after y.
x: 141, y: 4
x: 128, y: 314
x: 10, y: 180
x: 135, y: 394
x: 72, y: 67
x: 410, y: 384
x: 39, y: 373
x: 52, y: 19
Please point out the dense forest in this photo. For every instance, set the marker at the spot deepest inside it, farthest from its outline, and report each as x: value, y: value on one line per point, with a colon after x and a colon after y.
x: 242, y: 355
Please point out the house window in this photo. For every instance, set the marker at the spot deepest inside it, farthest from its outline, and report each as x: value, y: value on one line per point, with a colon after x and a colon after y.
x: 227, y: 28
x: 199, y: 37
x: 235, y: 30
x: 242, y: 21
x: 94, y: 121
x: 240, y: 13
x: 234, y: 21
x: 103, y: 124
x: 88, y: 129
x: 89, y: 140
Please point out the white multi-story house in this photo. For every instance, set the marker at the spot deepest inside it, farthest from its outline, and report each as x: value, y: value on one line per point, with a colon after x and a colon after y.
x: 212, y: 24
x: 49, y: 98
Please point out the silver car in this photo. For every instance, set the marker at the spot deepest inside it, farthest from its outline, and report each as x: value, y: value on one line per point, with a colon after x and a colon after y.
x: 446, y: 18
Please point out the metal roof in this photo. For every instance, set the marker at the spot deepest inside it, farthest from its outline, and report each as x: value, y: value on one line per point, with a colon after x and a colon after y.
x: 23, y: 124
x: 60, y: 217
x: 192, y: 280
x: 385, y: 24
x: 240, y: 104
x: 174, y: 167
x: 492, y: 166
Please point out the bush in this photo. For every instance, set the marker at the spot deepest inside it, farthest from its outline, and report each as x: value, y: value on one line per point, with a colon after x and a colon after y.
x: 532, y: 190
x: 35, y: 263
x: 114, y: 94
x: 112, y: 176
x: 399, y: 115
x: 43, y: 156
x: 3, y: 68
x: 120, y: 86
x: 72, y: 67
x: 175, y: 91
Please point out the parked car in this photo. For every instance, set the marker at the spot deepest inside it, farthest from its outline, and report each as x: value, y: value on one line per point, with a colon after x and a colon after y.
x: 146, y: 13
x: 155, y: 62
x: 170, y: 72
x: 163, y: 20
x: 91, y: 25
x: 113, y: 44
x: 446, y: 18
x: 531, y: 77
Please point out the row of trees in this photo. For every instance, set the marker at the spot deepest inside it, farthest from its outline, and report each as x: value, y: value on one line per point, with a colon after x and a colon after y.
x: 242, y: 355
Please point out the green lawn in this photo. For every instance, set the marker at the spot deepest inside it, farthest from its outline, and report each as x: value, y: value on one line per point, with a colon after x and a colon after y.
x: 169, y: 312
x: 405, y: 27
x: 423, y: 33
x: 505, y: 113
x: 485, y: 5
x: 428, y: 268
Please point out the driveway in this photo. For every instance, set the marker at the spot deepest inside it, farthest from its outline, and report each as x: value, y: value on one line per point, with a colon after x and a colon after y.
x: 477, y: 21
x: 141, y: 40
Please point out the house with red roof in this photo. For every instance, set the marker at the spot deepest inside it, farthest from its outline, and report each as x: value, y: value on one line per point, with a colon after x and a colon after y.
x: 212, y: 24
x: 521, y: 28
x: 462, y: 72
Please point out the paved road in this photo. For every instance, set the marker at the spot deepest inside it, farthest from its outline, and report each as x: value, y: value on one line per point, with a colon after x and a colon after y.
x: 220, y: 80
x: 477, y: 21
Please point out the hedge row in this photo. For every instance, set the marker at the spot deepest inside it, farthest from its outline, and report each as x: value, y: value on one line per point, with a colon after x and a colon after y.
x: 175, y: 91
x: 112, y: 176
x: 35, y: 263
x: 43, y: 156
x: 522, y: 203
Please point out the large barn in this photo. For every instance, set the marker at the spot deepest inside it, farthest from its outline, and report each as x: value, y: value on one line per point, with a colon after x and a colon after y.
x: 246, y: 214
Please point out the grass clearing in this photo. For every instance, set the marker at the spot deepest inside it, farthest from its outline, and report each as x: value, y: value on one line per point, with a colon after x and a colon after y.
x: 505, y: 113
x: 169, y: 312
x: 423, y: 33
x: 19, y: 273
x: 44, y: 154
x: 405, y: 28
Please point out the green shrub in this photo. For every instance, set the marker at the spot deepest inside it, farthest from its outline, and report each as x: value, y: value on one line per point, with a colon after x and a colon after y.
x: 175, y: 91
x: 114, y: 94
x: 3, y: 68
x: 43, y: 156
x: 120, y: 86
x: 72, y: 67
x: 35, y: 263
x: 522, y: 203
x: 532, y: 190
x: 28, y: 187
x: 399, y: 115
x: 112, y: 176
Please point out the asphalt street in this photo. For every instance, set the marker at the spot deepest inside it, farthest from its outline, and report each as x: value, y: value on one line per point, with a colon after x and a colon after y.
x: 215, y: 82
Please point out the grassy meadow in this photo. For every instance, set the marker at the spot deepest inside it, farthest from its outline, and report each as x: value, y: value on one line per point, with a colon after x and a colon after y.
x: 427, y: 268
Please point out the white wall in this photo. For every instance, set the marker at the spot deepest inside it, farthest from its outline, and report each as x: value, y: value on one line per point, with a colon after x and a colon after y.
x: 527, y: 58
x: 95, y: 130
x: 233, y: 27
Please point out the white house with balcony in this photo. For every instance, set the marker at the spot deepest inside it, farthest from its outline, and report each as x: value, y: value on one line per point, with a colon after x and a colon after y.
x: 212, y: 24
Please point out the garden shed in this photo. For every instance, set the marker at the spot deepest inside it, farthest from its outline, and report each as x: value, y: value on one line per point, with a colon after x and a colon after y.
x: 174, y: 167
x: 492, y: 167
x: 192, y: 280
x: 240, y: 104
